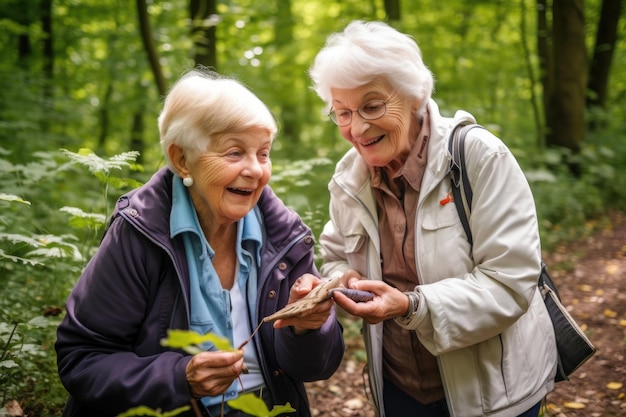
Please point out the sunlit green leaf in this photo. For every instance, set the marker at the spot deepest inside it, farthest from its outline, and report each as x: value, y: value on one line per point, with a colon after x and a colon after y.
x: 8, y: 364
x: 123, y: 183
x: 183, y: 338
x: 147, y: 411
x: 57, y: 247
x: 16, y: 238
x: 255, y: 406
x: 39, y: 321
x: 19, y: 259
x: 13, y: 198
x: 98, y: 165
x: 80, y: 219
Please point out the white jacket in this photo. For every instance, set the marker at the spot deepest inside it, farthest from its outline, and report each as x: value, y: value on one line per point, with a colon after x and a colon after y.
x: 480, y: 312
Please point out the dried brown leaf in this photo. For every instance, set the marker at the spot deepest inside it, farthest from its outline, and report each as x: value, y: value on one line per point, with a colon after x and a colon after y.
x: 574, y: 405
x: 13, y: 409
x: 307, y: 303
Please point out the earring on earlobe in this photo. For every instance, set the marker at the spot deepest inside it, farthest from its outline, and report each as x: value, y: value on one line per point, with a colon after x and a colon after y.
x: 188, y: 181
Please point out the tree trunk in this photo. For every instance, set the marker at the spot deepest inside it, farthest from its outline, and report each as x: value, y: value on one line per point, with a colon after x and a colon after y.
x: 283, y: 35
x: 103, y: 115
x: 544, y: 50
x: 565, y: 114
x: 531, y: 75
x: 203, y: 32
x: 48, y: 43
x: 137, y: 133
x: 148, y: 43
x: 48, y: 57
x: 24, y: 16
x: 603, y: 51
x: 392, y: 9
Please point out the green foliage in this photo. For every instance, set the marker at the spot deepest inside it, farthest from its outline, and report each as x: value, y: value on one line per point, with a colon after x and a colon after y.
x: 101, y: 95
x: 301, y: 184
x: 102, y: 169
x: 568, y: 205
x: 191, y: 341
x: 39, y: 269
x: 13, y: 198
x: 147, y: 411
x: 25, y: 365
x: 80, y: 220
x: 45, y: 247
x: 255, y: 406
x: 352, y: 330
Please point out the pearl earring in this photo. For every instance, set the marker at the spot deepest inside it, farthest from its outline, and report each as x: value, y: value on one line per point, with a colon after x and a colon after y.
x: 188, y: 181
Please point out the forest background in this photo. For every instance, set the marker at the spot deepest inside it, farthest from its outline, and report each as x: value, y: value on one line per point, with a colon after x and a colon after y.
x: 82, y: 81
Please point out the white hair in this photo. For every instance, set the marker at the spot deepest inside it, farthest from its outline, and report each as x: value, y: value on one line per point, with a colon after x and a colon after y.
x: 368, y: 50
x: 202, y: 105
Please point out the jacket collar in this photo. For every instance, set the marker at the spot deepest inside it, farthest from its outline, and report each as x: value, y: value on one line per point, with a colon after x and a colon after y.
x: 148, y: 208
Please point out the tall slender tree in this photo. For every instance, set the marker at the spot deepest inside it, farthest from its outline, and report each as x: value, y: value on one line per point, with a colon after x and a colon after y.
x: 604, y: 49
x: 565, y: 88
x: 203, y: 21
x: 48, y: 40
x: 392, y: 9
x: 148, y: 42
x: 283, y: 38
x: 544, y: 46
x: 531, y: 75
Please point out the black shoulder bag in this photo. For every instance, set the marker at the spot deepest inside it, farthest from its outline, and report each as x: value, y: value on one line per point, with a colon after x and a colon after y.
x: 573, y: 346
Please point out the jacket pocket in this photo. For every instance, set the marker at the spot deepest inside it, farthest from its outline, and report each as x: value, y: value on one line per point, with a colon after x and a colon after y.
x: 515, y: 364
x: 492, y: 376
x: 442, y: 233
x: 440, y: 216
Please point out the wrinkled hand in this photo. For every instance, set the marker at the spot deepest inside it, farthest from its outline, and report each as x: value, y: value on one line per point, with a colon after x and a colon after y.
x: 388, y: 302
x: 211, y: 373
x: 313, y: 319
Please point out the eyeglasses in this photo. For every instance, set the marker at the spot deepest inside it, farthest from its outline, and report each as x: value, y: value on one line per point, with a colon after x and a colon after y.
x: 371, y: 110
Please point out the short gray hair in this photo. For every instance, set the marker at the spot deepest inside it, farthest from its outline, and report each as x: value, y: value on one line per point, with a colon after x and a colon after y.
x: 368, y: 50
x: 202, y: 105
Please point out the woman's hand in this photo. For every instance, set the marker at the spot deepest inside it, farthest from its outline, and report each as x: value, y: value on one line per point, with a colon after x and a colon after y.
x: 211, y: 373
x: 388, y: 302
x: 313, y: 319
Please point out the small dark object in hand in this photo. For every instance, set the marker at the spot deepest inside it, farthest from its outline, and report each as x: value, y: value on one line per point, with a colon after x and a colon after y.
x: 357, y: 296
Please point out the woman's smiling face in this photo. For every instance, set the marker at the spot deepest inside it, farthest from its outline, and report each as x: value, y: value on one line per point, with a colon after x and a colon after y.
x: 386, y: 141
x: 229, y: 177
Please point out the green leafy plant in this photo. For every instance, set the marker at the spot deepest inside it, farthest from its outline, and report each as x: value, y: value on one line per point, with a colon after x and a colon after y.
x: 39, y: 263
x: 147, y: 411
x: 102, y: 169
x: 253, y: 405
x: 191, y: 341
x: 23, y: 365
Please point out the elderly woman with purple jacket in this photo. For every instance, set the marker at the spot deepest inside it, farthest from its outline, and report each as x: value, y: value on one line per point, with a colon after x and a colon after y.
x: 204, y: 245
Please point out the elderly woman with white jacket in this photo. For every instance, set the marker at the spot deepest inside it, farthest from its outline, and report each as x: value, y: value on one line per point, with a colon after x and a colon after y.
x: 454, y: 329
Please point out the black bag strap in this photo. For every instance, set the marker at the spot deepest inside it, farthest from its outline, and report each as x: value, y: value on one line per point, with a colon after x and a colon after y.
x: 545, y: 282
x: 456, y: 146
x: 572, y: 345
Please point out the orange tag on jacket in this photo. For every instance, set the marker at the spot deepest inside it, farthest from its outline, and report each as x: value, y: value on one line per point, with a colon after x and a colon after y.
x: 449, y: 198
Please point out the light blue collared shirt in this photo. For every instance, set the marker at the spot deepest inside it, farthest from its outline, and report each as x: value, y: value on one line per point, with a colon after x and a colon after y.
x: 210, y: 303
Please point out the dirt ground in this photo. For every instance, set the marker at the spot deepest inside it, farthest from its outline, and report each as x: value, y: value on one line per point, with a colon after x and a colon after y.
x: 589, y: 274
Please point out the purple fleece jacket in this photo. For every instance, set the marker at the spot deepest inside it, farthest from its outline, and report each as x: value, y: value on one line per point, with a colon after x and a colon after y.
x: 136, y: 287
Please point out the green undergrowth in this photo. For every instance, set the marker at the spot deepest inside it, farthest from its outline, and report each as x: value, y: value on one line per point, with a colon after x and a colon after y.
x: 53, y: 210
